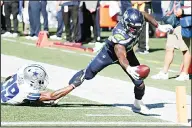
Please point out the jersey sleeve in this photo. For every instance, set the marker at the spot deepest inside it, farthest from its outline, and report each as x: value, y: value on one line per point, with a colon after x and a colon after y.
x: 33, y: 96
x: 120, y: 39
x: 119, y: 35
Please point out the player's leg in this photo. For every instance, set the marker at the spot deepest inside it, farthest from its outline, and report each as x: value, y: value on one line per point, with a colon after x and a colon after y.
x: 169, y: 56
x: 139, y: 89
x: 102, y: 60
x: 184, y: 46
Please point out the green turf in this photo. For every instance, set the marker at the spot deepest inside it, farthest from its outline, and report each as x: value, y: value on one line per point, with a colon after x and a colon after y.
x: 154, y: 60
x: 61, y: 113
x: 69, y: 109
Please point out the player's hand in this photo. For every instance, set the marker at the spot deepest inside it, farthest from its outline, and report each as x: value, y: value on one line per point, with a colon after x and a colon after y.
x: 132, y: 72
x: 165, y: 28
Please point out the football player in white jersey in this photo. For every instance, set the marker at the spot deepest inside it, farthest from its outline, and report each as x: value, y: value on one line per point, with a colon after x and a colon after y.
x: 28, y: 86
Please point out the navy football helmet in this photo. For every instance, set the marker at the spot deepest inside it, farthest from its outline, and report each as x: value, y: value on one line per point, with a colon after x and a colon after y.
x: 133, y: 20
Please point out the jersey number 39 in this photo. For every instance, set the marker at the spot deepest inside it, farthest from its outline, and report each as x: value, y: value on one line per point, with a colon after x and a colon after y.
x: 10, y: 89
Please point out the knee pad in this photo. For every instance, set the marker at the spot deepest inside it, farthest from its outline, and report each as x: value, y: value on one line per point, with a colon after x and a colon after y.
x: 78, y: 78
x: 139, y: 91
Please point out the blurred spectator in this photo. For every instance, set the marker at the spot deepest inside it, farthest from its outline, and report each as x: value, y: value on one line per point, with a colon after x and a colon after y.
x: 60, y: 20
x: 11, y: 7
x: 144, y: 37
x: 25, y: 16
x: 184, y: 13
x: 3, y: 26
x: 174, y: 40
x: 92, y: 8
x: 70, y: 13
x: 34, y: 10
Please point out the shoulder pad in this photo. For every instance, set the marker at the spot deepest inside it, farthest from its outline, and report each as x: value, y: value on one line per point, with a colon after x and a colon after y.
x: 117, y: 38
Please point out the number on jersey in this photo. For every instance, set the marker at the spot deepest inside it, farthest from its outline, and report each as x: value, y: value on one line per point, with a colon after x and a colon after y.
x: 10, y: 89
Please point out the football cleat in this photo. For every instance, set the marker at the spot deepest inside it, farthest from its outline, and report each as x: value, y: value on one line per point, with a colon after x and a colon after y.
x: 182, y: 77
x: 160, y: 76
x: 140, y: 107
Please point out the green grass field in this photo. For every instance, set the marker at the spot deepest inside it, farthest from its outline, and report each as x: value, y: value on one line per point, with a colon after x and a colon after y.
x: 73, y: 108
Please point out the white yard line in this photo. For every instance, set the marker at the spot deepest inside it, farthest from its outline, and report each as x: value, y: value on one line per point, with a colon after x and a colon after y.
x: 104, y: 89
x: 84, y: 123
x: 84, y: 54
x: 67, y: 51
x: 10, y: 40
x: 51, y: 48
x: 108, y: 115
x: 74, y: 102
x: 30, y: 44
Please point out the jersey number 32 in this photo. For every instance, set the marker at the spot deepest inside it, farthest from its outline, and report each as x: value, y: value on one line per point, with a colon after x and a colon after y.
x: 10, y: 89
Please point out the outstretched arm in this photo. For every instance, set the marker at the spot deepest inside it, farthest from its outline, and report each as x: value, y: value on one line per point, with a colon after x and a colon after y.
x: 150, y: 19
x: 164, y: 28
x: 47, y: 96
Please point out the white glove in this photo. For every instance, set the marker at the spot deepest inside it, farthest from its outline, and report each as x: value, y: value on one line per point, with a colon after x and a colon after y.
x: 132, y: 72
x: 165, y: 28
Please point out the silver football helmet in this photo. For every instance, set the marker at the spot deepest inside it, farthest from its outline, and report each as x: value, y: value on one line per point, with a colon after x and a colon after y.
x: 36, y: 76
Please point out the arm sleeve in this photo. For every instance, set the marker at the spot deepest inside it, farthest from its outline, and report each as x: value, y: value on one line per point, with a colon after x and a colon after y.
x: 33, y: 96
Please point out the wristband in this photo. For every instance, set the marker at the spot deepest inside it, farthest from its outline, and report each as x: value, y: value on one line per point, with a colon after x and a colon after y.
x: 73, y: 86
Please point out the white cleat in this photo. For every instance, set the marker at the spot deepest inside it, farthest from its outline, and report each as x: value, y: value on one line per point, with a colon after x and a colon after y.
x: 55, y: 37
x: 15, y: 35
x: 182, y: 77
x: 140, y: 107
x: 6, y: 34
x: 160, y: 76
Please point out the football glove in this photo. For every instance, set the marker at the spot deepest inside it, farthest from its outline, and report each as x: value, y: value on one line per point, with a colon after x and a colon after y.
x: 132, y: 71
x: 165, y: 28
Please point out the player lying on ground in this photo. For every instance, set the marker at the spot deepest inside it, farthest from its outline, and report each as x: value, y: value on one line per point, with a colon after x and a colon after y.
x: 119, y: 50
x: 27, y: 87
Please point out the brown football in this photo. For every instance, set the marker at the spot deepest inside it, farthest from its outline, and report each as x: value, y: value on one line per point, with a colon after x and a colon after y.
x: 143, y: 71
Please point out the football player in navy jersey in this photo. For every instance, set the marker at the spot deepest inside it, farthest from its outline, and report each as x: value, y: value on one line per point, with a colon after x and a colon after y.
x: 119, y: 50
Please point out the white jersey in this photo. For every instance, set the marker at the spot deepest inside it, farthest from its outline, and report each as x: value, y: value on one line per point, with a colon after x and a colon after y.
x: 16, y: 90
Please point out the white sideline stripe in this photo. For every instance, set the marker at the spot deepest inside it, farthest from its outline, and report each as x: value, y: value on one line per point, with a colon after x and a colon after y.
x: 83, y: 54
x: 85, y: 123
x: 68, y: 51
x: 84, y: 108
x: 104, y: 115
x: 9, y: 40
x: 30, y: 44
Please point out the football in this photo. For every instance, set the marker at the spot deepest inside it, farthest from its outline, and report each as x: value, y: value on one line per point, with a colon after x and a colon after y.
x: 160, y: 34
x: 143, y: 71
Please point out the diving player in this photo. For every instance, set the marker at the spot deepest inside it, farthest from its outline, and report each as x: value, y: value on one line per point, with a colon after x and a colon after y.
x: 27, y: 87
x: 119, y: 50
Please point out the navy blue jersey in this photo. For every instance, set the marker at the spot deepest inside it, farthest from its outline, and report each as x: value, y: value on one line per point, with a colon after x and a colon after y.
x: 120, y: 36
